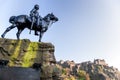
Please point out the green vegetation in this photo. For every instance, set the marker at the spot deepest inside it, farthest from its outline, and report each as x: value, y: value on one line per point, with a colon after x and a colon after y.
x: 81, y: 75
x: 64, y: 71
x: 30, y: 55
x: 15, y: 54
x: 27, y: 59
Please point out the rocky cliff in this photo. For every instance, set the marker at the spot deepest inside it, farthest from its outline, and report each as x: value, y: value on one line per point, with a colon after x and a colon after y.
x: 97, y: 70
x: 24, y: 53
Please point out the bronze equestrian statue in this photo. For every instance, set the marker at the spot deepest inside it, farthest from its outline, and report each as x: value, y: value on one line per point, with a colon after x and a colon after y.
x: 24, y: 21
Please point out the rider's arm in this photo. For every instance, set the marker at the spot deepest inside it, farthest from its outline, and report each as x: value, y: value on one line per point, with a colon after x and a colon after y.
x: 32, y: 12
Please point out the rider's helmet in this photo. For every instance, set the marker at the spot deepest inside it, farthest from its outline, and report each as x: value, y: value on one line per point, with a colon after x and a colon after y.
x: 36, y: 6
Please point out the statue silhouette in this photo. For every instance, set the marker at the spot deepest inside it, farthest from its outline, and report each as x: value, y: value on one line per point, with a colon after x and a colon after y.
x: 25, y: 21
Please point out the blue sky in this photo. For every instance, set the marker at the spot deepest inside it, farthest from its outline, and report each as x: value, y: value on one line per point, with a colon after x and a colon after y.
x: 86, y: 30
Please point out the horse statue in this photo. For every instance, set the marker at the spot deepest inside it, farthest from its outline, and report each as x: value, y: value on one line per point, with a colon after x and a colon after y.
x: 24, y: 21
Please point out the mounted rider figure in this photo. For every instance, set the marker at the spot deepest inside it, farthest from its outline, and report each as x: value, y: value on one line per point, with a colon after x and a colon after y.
x: 35, y: 17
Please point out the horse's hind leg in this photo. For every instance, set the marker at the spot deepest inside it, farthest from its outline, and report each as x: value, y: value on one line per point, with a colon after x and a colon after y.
x: 7, y: 30
x: 40, y: 36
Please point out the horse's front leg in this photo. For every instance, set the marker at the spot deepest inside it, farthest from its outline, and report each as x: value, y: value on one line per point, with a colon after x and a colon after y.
x: 7, y: 30
x: 18, y: 33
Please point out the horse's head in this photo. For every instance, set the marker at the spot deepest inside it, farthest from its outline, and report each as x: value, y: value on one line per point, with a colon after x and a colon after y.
x: 53, y: 17
x: 50, y: 17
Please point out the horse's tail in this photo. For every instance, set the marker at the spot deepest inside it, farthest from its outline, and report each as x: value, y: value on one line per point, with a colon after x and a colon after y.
x: 12, y: 19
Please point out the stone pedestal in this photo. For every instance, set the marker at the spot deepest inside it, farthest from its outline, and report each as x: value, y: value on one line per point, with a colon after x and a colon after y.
x: 24, y: 53
x: 27, y: 54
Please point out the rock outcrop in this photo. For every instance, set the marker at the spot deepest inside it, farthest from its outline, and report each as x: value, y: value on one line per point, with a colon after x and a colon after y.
x: 97, y: 70
x: 24, y: 53
x: 32, y: 56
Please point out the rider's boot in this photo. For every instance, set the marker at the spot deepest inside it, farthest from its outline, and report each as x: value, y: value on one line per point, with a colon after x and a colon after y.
x: 36, y: 32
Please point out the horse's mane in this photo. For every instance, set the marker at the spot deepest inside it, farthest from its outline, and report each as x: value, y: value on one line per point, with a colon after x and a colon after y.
x: 45, y: 18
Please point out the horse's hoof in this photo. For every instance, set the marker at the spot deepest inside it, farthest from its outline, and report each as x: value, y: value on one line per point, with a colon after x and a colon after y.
x: 2, y: 36
x: 39, y: 40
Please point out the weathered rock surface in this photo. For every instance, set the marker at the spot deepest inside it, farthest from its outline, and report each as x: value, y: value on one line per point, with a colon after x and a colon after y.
x: 24, y: 53
x: 97, y: 70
